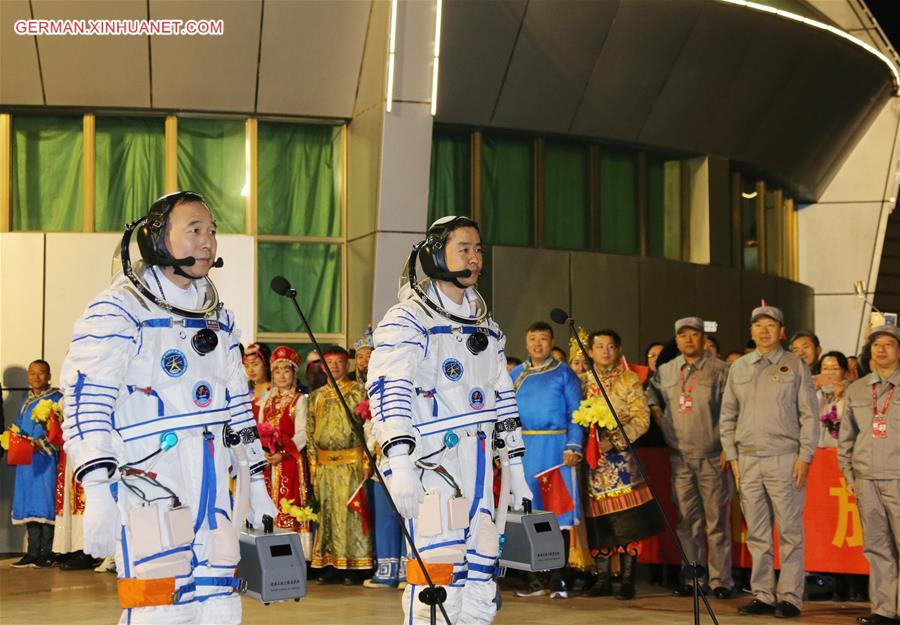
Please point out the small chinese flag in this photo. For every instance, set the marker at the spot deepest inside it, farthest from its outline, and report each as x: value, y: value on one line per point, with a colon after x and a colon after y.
x: 641, y: 370
x: 359, y: 504
x: 554, y: 492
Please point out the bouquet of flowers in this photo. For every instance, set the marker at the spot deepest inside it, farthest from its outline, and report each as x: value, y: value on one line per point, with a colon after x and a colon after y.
x: 594, y: 414
x: 269, y: 437
x: 362, y: 410
x: 48, y: 414
x: 303, y: 515
x: 831, y: 421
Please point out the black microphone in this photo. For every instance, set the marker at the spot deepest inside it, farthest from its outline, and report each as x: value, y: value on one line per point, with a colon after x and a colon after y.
x: 219, y: 263
x: 189, y: 261
x: 282, y: 286
x: 558, y: 315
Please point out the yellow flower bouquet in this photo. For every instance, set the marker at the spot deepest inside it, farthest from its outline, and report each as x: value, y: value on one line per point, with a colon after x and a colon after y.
x: 48, y: 414
x: 593, y: 411
x: 303, y: 515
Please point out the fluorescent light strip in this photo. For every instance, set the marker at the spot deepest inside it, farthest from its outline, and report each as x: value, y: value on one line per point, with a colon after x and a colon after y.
x: 438, y: 9
x: 822, y: 26
x: 391, y: 51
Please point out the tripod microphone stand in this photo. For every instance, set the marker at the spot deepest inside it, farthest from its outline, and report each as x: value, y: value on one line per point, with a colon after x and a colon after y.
x: 433, y: 596
x: 561, y: 317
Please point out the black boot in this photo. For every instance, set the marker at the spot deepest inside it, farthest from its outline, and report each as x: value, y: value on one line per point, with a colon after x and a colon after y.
x: 603, y: 585
x: 629, y: 568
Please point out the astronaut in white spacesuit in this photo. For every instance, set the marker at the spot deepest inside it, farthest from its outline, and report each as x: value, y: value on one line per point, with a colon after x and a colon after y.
x: 157, y: 413
x: 441, y: 402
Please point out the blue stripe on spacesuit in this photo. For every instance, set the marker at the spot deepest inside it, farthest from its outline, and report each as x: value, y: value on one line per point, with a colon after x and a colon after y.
x: 125, y: 558
x: 446, y: 543
x: 162, y: 554
x: 175, y: 416
x: 98, y: 316
x: 479, y: 477
x: 230, y: 397
x: 103, y: 336
x: 160, y: 407
x: 175, y: 429
x: 112, y: 397
x: 416, y: 343
x: 464, y: 330
x: 115, y: 305
x: 207, y: 503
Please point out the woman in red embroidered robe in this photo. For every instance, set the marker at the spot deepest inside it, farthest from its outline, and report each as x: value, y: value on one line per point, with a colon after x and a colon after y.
x: 282, y: 429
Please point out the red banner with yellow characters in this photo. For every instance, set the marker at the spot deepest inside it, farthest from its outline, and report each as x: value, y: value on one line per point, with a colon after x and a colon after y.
x: 832, y: 529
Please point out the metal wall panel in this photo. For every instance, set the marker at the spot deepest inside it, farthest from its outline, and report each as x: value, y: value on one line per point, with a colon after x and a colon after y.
x: 668, y: 291
x: 526, y: 285
x: 20, y: 80
x: 719, y: 300
x: 606, y: 294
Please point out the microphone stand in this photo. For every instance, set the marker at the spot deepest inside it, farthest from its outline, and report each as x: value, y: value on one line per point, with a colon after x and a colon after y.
x: 693, y: 568
x: 433, y: 596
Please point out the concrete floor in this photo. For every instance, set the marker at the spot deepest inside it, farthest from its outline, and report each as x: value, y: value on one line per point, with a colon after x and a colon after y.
x: 52, y: 596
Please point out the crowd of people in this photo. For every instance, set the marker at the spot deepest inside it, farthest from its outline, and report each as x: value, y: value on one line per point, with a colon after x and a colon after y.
x: 749, y: 424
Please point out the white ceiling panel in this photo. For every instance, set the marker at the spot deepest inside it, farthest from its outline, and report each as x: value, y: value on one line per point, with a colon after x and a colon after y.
x: 80, y: 70
x: 310, y: 59
x: 20, y: 80
x: 212, y: 73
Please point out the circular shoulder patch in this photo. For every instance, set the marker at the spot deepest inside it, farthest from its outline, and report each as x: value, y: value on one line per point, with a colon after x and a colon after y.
x: 476, y: 398
x: 174, y: 363
x: 453, y: 369
x: 202, y: 394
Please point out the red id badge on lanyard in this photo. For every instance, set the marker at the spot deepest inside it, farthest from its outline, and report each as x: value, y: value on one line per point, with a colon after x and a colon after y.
x: 686, y: 401
x: 879, y: 418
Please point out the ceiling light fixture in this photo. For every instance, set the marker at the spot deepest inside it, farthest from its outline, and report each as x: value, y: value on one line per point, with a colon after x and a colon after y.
x: 439, y: 5
x: 392, y: 48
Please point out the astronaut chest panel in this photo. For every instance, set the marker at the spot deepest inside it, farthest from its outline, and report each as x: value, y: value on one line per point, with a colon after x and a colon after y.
x: 459, y: 372
x: 170, y: 376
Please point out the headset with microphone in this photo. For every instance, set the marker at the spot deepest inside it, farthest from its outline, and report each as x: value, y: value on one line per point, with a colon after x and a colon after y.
x: 151, y: 233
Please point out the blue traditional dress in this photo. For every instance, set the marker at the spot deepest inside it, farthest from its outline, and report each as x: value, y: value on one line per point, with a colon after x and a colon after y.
x: 34, y: 496
x: 548, y: 394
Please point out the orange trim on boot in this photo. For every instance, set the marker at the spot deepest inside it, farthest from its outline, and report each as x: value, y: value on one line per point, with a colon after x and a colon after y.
x: 142, y: 593
x: 441, y: 574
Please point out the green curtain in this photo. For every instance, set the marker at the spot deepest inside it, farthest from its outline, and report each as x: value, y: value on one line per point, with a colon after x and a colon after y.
x: 448, y: 189
x: 129, y: 170
x: 618, y: 203
x: 46, y: 173
x: 299, y: 180
x: 315, y: 271
x: 507, y: 191
x: 211, y: 161
x: 567, y: 219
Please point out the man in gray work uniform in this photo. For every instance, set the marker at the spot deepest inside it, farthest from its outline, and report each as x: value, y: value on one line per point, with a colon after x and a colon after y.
x: 869, y: 457
x: 769, y: 434
x: 690, y: 387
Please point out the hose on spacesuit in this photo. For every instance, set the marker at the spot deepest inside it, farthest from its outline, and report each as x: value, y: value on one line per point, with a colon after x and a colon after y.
x: 241, y: 488
x: 437, y: 594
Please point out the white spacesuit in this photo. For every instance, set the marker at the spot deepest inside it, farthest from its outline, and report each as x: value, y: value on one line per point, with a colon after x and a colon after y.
x: 439, y: 390
x: 157, y: 412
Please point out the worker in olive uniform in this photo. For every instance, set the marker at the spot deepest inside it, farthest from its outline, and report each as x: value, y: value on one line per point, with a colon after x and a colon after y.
x: 690, y: 389
x: 769, y: 434
x: 869, y: 457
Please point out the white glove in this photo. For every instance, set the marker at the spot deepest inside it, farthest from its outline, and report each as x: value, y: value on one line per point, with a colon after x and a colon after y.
x: 518, y: 485
x: 260, y: 503
x: 101, y: 520
x: 404, y: 486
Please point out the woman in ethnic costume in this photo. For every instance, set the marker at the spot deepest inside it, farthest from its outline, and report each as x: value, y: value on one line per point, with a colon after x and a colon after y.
x: 619, y: 506
x: 282, y: 427
x: 259, y: 373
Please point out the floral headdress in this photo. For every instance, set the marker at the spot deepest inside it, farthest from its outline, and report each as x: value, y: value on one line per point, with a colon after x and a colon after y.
x: 574, y: 350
